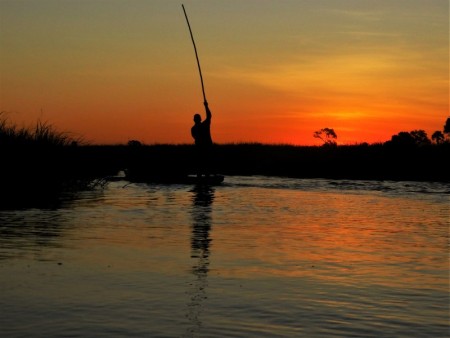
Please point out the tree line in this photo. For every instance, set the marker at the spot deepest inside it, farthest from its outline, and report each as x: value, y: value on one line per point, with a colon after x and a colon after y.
x: 416, y: 137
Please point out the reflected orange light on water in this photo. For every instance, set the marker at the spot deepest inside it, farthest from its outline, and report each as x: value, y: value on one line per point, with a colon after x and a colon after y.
x: 352, y: 235
x: 256, y: 256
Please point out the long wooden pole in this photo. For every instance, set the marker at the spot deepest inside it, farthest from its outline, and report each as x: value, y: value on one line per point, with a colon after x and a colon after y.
x: 196, y: 54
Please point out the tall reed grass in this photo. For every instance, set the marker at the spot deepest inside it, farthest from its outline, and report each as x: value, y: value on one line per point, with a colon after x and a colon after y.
x: 39, y: 163
x: 41, y: 134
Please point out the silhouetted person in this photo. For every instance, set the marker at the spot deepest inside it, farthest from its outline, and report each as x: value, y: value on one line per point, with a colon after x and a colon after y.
x: 201, y: 132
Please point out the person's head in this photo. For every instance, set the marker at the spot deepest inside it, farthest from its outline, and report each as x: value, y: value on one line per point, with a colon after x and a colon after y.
x: 197, y: 118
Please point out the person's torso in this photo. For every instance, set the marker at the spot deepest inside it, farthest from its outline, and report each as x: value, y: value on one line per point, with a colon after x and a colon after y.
x: 202, y: 134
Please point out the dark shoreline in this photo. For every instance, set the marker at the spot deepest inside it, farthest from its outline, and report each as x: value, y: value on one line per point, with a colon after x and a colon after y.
x: 368, y: 162
x: 42, y: 174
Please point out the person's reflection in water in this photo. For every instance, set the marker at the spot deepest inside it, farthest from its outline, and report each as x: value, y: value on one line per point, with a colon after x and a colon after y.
x: 202, y: 200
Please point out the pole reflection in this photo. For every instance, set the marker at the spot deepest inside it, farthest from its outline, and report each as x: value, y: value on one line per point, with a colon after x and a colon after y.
x: 202, y: 199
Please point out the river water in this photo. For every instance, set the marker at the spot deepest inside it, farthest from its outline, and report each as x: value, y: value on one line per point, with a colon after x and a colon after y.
x: 254, y: 257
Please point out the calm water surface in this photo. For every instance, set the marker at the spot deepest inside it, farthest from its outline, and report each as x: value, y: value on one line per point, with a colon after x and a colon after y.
x: 255, y: 257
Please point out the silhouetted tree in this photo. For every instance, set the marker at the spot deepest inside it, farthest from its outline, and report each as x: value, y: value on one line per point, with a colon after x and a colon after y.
x: 447, y: 127
x: 134, y: 143
x: 420, y: 137
x: 403, y: 138
x: 437, y: 137
x: 327, y: 135
x: 413, y: 138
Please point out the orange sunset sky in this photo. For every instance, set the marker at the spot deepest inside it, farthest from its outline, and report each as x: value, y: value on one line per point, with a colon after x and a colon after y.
x: 275, y: 71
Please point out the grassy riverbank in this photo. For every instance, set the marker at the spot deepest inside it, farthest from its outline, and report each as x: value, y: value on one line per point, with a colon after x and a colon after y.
x: 37, y: 175
x: 39, y: 162
x: 56, y: 165
x: 41, y: 159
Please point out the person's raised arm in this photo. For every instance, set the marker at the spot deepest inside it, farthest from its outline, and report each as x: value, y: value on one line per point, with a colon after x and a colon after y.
x: 208, y: 112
